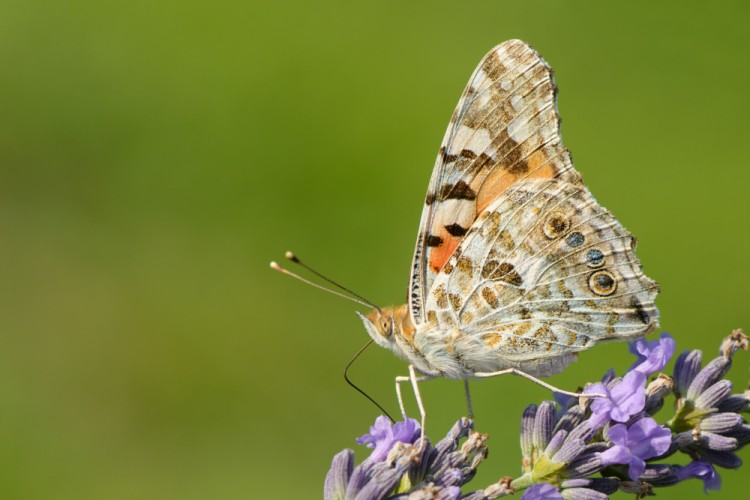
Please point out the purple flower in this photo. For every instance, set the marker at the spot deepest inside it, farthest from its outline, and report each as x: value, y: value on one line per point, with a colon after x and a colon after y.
x: 652, y: 356
x: 383, y: 435
x: 542, y: 491
x: 633, y: 445
x: 706, y: 422
x: 437, y: 471
x: 700, y: 470
x: 624, y: 399
x: 567, y: 451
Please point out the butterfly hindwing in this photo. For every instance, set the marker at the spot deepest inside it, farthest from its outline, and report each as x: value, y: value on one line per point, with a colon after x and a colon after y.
x: 544, y: 272
x: 505, y: 130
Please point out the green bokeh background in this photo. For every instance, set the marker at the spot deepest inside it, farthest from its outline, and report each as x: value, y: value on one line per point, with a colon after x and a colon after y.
x: 155, y: 155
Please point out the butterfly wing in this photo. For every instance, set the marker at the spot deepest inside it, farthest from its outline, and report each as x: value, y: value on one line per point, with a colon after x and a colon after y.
x: 504, y: 130
x: 543, y: 273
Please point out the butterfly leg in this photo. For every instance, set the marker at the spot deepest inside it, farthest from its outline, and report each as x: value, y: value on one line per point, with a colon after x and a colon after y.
x: 414, y: 379
x: 400, y: 397
x: 422, y: 412
x: 468, y: 400
x: 516, y: 371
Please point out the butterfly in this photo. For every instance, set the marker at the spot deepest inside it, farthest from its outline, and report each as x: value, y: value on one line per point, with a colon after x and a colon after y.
x: 516, y: 267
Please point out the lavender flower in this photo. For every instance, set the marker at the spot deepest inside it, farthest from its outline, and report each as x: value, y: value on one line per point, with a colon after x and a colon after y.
x: 383, y: 435
x: 652, y: 356
x: 625, y: 398
x: 583, y: 448
x: 706, y: 424
x: 397, y: 466
x: 700, y: 470
x: 661, y: 475
x: 558, y: 452
x: 634, y: 444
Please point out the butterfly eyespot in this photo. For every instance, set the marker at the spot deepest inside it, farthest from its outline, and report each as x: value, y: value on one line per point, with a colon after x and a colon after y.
x: 603, y: 283
x: 575, y: 239
x: 556, y: 225
x: 595, y: 258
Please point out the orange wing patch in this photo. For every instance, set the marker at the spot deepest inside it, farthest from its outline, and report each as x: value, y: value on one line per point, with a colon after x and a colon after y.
x: 443, y: 252
x: 499, y: 181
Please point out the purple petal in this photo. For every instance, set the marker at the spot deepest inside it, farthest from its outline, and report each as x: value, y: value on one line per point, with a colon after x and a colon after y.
x: 636, y: 468
x: 652, y: 356
x: 625, y: 398
x: 648, y: 439
x: 407, y: 431
x: 622, y: 455
x: 700, y: 470
x: 542, y: 491
x: 629, y: 396
x: 609, y: 376
x: 618, y: 434
x: 378, y: 432
x: 616, y: 455
x: 632, y: 445
x: 383, y: 436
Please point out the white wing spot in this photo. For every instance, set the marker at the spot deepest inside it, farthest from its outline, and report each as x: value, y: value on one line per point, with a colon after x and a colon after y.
x: 506, y: 85
x: 476, y: 140
x: 518, y: 129
x: 517, y: 102
x: 461, y: 212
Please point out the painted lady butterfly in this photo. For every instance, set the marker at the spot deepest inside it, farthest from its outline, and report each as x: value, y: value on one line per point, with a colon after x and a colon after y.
x: 516, y: 265
x: 517, y: 268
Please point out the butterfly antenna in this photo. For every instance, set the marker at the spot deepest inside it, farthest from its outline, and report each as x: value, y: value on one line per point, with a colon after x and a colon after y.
x: 348, y: 381
x: 280, y: 269
x: 290, y: 256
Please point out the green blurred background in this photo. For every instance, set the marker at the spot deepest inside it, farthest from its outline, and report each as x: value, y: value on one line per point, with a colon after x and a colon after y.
x: 155, y: 155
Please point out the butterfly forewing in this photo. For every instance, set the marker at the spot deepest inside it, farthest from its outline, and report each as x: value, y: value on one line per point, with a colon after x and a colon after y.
x: 505, y: 130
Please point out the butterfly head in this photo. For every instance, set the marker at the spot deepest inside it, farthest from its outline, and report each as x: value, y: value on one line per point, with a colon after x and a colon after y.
x: 384, y: 325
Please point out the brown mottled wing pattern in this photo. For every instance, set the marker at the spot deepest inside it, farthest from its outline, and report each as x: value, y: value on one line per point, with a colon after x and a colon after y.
x: 544, y: 272
x: 505, y: 130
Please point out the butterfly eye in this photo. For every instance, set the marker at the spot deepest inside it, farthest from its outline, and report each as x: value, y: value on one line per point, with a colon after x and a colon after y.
x: 594, y: 258
x: 602, y: 283
x: 556, y: 225
x: 386, y: 327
